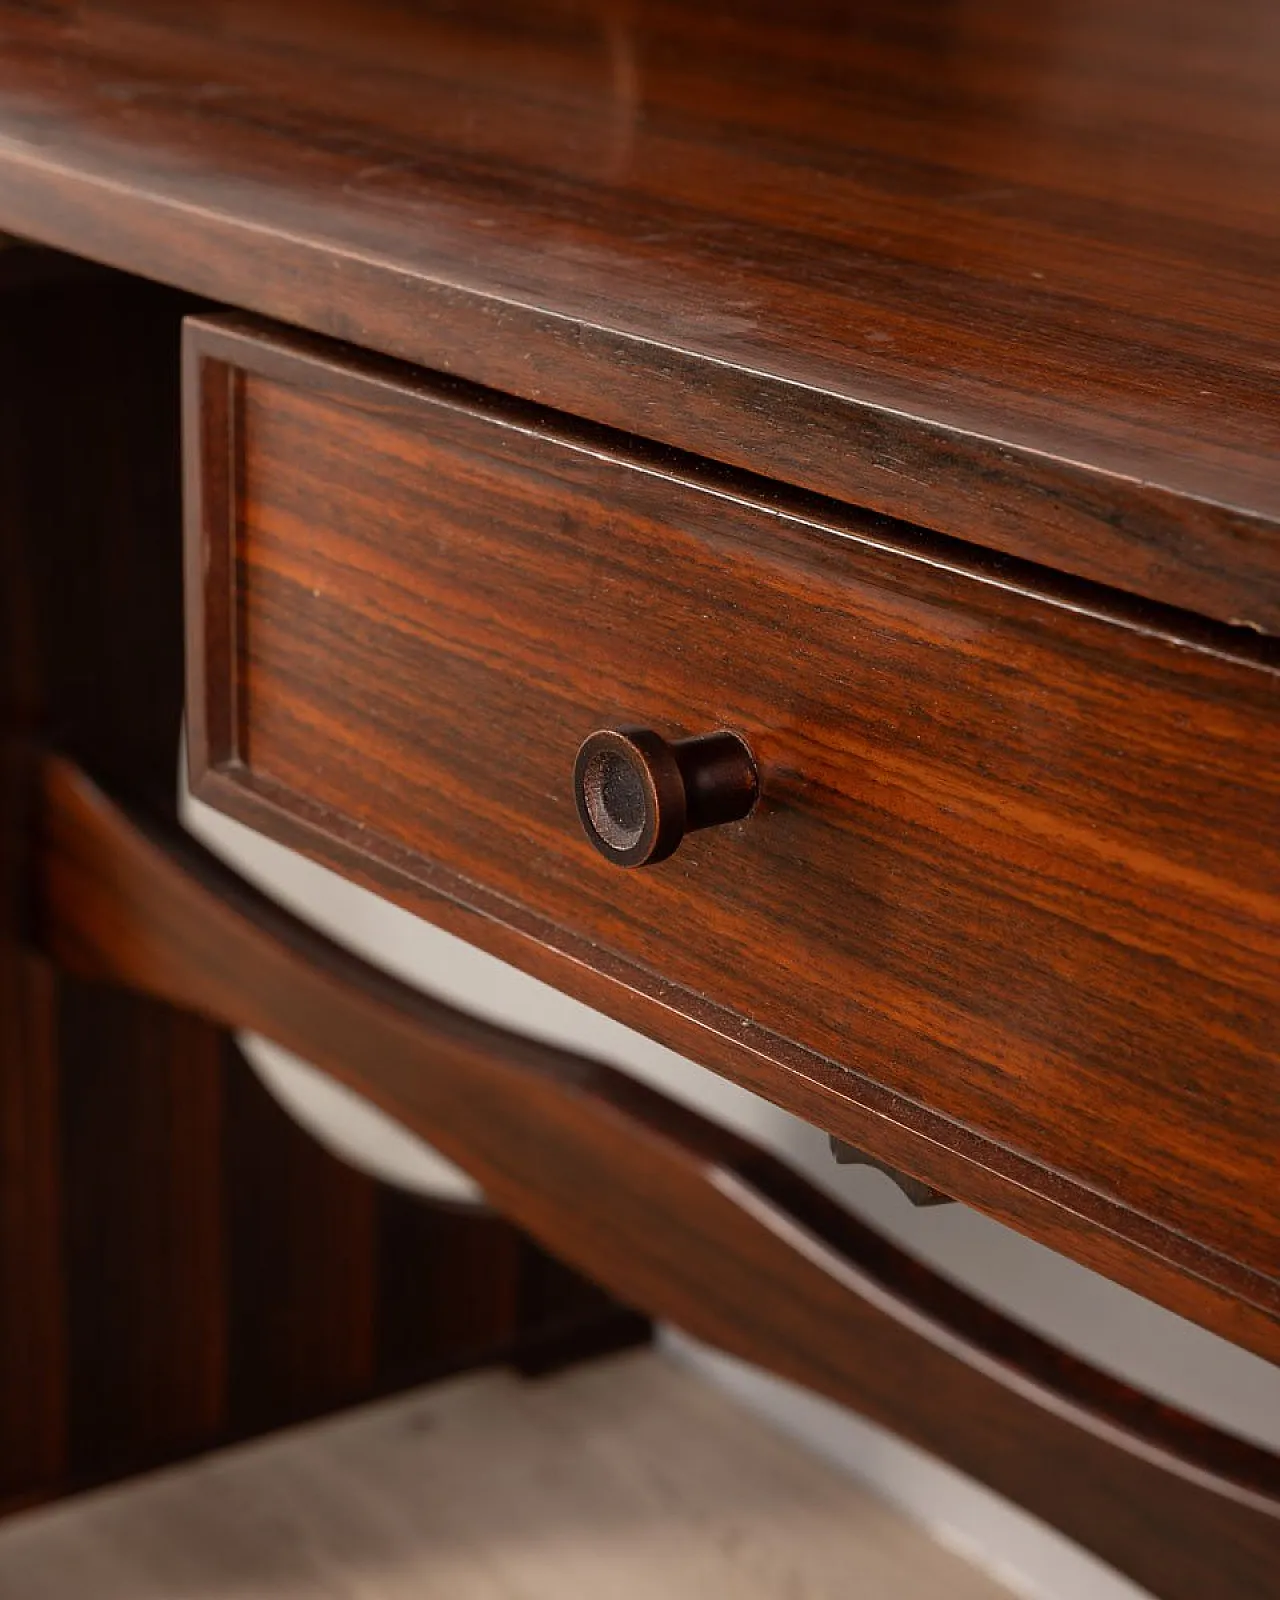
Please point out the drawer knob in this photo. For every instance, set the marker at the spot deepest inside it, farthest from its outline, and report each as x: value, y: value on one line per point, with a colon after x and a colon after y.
x: 638, y: 794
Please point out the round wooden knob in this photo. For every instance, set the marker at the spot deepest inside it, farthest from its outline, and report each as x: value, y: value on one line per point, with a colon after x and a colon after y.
x: 638, y: 794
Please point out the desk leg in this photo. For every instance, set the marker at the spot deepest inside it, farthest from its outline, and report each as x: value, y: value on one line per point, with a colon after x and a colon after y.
x: 180, y: 1265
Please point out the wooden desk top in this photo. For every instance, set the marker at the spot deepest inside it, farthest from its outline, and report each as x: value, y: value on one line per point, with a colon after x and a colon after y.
x: 1006, y: 271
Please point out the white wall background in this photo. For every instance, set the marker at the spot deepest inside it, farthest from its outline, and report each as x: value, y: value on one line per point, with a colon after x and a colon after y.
x: 1107, y: 1324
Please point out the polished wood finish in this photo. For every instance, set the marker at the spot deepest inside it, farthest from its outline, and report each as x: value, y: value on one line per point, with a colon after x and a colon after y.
x: 1004, y: 271
x: 1005, y: 915
x: 995, y: 868
x: 675, y: 1214
x: 179, y: 1264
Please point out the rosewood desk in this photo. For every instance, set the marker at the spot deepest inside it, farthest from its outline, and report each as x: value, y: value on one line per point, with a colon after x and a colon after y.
x: 767, y: 517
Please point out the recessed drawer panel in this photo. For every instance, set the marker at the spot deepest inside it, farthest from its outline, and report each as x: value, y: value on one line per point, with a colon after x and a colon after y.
x: 1016, y: 854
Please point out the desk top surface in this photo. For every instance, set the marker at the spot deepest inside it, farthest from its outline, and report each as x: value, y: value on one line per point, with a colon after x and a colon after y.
x: 1006, y: 271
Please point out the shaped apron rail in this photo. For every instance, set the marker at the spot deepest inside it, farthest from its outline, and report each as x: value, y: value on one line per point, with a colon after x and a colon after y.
x: 679, y: 1217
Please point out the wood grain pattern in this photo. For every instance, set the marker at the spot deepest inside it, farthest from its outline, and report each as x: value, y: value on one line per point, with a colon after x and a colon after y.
x: 996, y: 868
x: 1007, y: 272
x: 676, y: 1214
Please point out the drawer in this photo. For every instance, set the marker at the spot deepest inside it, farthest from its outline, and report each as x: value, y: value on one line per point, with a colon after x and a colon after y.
x: 1015, y: 860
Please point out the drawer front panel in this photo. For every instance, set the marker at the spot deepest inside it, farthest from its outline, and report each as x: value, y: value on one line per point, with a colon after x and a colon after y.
x: 1014, y: 859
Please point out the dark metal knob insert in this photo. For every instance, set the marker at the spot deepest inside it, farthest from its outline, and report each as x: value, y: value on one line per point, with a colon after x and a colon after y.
x: 638, y: 794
